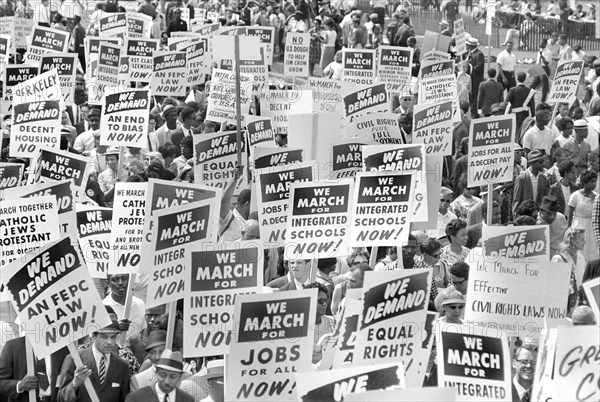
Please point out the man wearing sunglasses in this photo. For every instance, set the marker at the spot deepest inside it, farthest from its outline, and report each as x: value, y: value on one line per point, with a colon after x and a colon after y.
x: 445, y: 215
x: 524, y: 364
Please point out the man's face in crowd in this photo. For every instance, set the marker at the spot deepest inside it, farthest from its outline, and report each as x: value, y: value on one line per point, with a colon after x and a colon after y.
x: 509, y: 47
x: 445, y: 204
x: 581, y: 133
x: 95, y: 122
x: 460, y: 284
x: 356, y: 280
x: 299, y: 269
x: 524, y: 365
x: 563, y: 110
x: 85, y: 110
x: 118, y: 284
x: 409, y: 250
x: 547, y: 216
x: 542, y: 118
x: 186, y: 151
x: 111, y: 161
x: 167, y: 379
x: 152, y: 320
x: 562, y: 41
x: 171, y: 118
x: 106, y: 342
x: 568, y: 129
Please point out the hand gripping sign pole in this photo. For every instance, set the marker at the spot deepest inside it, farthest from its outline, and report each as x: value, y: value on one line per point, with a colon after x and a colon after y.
x: 79, y: 363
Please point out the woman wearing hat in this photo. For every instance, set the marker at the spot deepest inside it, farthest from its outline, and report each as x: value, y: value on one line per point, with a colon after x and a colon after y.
x: 570, y: 251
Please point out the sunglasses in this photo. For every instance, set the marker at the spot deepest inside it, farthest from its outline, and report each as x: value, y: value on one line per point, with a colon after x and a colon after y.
x: 452, y: 307
x: 458, y: 282
x: 322, y: 301
x: 436, y: 255
x: 446, y: 200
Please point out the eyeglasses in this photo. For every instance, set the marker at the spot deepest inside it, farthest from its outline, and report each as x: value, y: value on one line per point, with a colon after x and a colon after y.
x: 322, y: 301
x: 457, y: 282
x: 355, y: 263
x: 525, y: 362
x: 436, y: 255
x: 451, y: 307
x: 446, y: 200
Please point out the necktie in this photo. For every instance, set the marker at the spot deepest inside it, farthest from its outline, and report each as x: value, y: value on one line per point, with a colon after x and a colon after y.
x: 102, y: 370
x: 166, y: 398
x: 526, y: 396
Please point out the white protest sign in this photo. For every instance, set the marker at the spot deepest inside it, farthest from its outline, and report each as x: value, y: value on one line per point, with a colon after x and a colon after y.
x: 221, y: 106
x: 460, y: 36
x: 317, y: 222
x: 113, y: 24
x: 380, y: 127
x: 279, y: 104
x: 522, y: 243
x: 215, y: 158
x: 395, y: 64
x: 474, y: 361
x: 432, y: 126
x: 124, y: 120
x: 491, y: 153
x: 566, y: 81
x: 139, y: 25
x: 295, y: 63
x: 198, y: 61
x: 433, y: 394
x: 42, y: 87
x: 109, y: 57
x: 35, y: 125
x: 13, y: 75
x: 25, y: 225
x: 266, y: 35
x: 94, y: 227
x: 4, y: 50
x: 141, y: 62
x: 347, y: 157
x: 327, y: 94
x: 438, y: 82
x: 382, y: 207
x: 358, y: 66
x: 66, y: 66
x: 364, y: 100
x: 46, y: 40
x: 175, y: 233
x: 215, y: 278
x: 53, y: 291
x: 127, y: 228
x: 592, y: 292
x: 264, y: 354
x: 168, y: 76
x: 259, y: 131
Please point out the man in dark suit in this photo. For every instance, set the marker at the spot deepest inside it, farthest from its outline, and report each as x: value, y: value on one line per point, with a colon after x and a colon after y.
x: 490, y: 92
x: 517, y: 97
x: 108, y: 373
x: 477, y: 62
x: 169, y: 370
x: 298, y: 276
x: 568, y: 172
x: 15, y: 383
x: 524, y: 184
x: 524, y: 361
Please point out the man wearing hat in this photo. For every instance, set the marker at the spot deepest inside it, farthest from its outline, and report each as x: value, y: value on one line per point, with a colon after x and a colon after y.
x: 171, y: 127
x: 108, y: 373
x: 85, y: 140
x: 578, y: 145
x: 557, y: 222
x: 169, y: 370
x: 140, y: 342
x: 147, y: 375
x: 215, y: 376
x: 532, y: 184
x: 476, y: 60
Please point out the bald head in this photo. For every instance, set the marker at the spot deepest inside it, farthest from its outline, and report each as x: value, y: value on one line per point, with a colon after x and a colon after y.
x: 583, y: 315
x: 250, y: 230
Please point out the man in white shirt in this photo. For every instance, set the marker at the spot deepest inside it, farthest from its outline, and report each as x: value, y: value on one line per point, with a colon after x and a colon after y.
x: 85, y: 141
x: 135, y: 322
x: 565, y: 50
x: 444, y: 214
x: 41, y: 14
x: 524, y: 364
x: 539, y: 136
x: 506, y: 65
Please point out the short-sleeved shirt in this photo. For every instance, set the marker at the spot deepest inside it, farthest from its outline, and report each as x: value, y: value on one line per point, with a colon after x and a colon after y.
x: 536, y: 139
x: 507, y: 61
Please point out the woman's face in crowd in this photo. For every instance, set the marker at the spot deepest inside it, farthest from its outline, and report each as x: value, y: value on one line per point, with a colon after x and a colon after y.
x: 461, y: 237
x: 322, y: 302
x: 579, y: 241
x: 453, y: 312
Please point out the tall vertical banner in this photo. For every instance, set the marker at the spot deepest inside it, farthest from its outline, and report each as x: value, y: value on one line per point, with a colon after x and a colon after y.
x: 168, y: 77
x: 27, y: 224
x: 175, y: 233
x: 438, y: 82
x: 35, y: 125
x: 432, y: 126
x: 491, y: 150
x: 317, y: 222
x: 364, y: 100
x: 215, y: 157
x: 167, y: 194
x: 107, y: 72
x: 519, y: 298
x: 392, y: 317
x: 13, y: 75
x: 124, y: 120
x: 113, y: 24
x: 478, y: 365
x: 395, y: 64
x: 295, y: 62
x: 46, y: 40
x: 141, y: 62
x: 460, y: 36
x: 273, y: 189
x: 359, y: 66
x: 127, y: 228
x: 566, y: 81
x: 273, y: 340
x: 93, y: 229
x: 53, y: 292
x: 382, y: 207
x: 214, y: 280
x: 66, y: 66
x: 10, y: 174
x: 518, y: 243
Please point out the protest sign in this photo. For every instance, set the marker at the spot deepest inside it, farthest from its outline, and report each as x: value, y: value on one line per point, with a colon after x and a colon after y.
x: 168, y: 76
x: 10, y: 174
x: 347, y: 157
x: 53, y: 292
x: 66, y: 66
x: 198, y: 61
x: 221, y: 106
x: 214, y: 279
x: 42, y: 87
x: 94, y: 227
x: 566, y: 81
x: 491, y: 154
x: 474, y: 361
x: 63, y: 190
x: 395, y: 64
x: 267, y: 157
x: 420, y: 361
x: 4, y: 50
x: 317, y: 222
x: 295, y: 62
x: 207, y: 29
x: 592, y: 292
x: 392, y: 317
x: 25, y: 225
x: 54, y: 165
x: 35, y: 125
x: 7, y: 29
x: 23, y: 29
x: 358, y: 66
x: 141, y: 62
x: 460, y: 36
x: 223, y: 45
x: 344, y: 354
x: 522, y: 243
x: 381, y: 127
x: 402, y: 158
x: 107, y: 71
x: 92, y: 47
x: 434, y: 42
x: 266, y: 35
x: 432, y: 126
x: 273, y: 188
x: 432, y: 394
x: 257, y: 70
x: 138, y: 25
x: 366, y: 99
x: 127, y: 227
x: 175, y: 233
x: 438, y: 82
x: 519, y: 298
x: 113, y: 24
x: 166, y: 194
x: 259, y: 131
x: 273, y: 340
x: 46, y: 40
x: 13, y: 75
x: 124, y: 120
x: 338, y: 383
x: 279, y: 104
x: 382, y: 207
x: 327, y: 94
x: 215, y: 158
